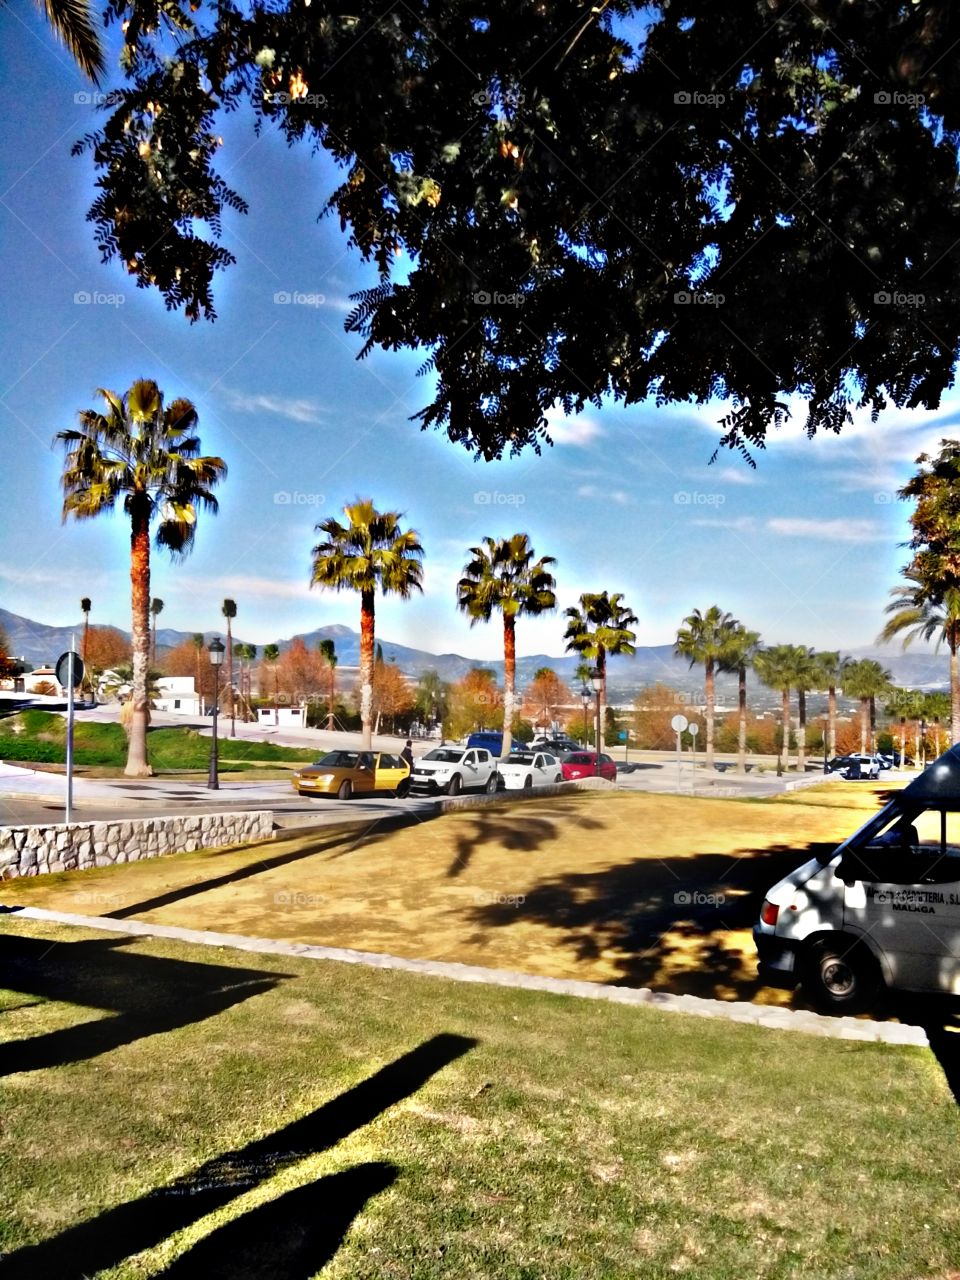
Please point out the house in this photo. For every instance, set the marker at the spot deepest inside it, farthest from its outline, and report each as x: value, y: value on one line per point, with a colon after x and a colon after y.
x: 177, y: 695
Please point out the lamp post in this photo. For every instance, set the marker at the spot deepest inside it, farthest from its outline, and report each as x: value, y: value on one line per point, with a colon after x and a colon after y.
x: 215, y: 649
x: 586, y: 693
x: 596, y: 679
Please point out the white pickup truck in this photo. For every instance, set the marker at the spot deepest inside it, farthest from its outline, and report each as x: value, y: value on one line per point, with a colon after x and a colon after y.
x: 882, y: 910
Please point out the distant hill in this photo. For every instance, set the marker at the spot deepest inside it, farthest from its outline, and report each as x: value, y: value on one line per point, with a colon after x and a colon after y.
x: 918, y: 669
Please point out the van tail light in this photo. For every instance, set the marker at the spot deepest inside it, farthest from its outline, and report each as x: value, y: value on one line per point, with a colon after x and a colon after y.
x: 769, y: 914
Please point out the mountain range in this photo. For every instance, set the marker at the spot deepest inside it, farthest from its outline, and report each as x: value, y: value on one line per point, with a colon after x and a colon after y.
x: 38, y: 642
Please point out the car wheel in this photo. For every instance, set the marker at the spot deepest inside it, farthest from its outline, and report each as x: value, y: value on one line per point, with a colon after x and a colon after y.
x: 403, y: 789
x: 491, y: 786
x: 528, y: 783
x: 345, y: 792
x: 840, y: 975
x: 558, y: 778
x: 455, y: 785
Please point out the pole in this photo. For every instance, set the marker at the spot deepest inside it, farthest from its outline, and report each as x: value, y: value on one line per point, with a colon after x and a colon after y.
x: 679, y: 761
x: 598, y: 733
x: 214, y: 782
x: 68, y: 807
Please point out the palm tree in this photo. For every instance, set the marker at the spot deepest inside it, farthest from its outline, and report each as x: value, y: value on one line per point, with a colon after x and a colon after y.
x: 369, y: 551
x: 831, y: 667
x: 271, y: 653
x: 328, y: 650
x: 740, y: 652
x: 229, y: 611
x: 867, y: 681
x: 198, y: 644
x: 503, y: 576
x: 705, y: 640
x: 775, y: 667
x: 150, y: 454
x: 937, y: 707
x: 156, y: 606
x: 85, y: 607
x: 598, y: 628
x: 72, y: 21
x: 916, y: 616
x: 246, y: 653
x: 807, y: 675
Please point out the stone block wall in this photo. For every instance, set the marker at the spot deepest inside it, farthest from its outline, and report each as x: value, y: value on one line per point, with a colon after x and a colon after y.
x: 32, y: 851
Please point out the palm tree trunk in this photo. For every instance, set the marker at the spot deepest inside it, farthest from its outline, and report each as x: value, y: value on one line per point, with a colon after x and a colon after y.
x: 903, y: 742
x: 785, y: 749
x: 153, y: 642
x: 509, y: 682
x: 233, y: 724
x: 832, y: 716
x: 366, y: 669
x: 742, y: 726
x: 86, y: 632
x: 602, y: 668
x: 333, y: 694
x: 710, y: 691
x: 954, y: 692
x: 138, y: 766
x: 801, y: 731
x: 864, y: 724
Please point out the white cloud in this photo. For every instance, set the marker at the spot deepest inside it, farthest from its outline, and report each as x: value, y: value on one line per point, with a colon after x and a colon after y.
x: 733, y: 475
x: 829, y: 530
x: 295, y: 410
x: 580, y: 429
x: 618, y: 496
x: 739, y: 524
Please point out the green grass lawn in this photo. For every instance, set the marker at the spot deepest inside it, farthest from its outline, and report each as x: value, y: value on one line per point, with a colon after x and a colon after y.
x: 39, y: 737
x: 183, y: 1111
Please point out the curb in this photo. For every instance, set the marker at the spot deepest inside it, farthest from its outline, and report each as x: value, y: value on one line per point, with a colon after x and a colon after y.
x: 767, y: 1016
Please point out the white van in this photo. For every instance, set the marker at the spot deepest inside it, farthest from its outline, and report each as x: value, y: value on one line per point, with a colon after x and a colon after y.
x: 882, y: 910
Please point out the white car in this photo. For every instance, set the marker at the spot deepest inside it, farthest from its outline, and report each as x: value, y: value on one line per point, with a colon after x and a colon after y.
x: 526, y: 769
x: 845, y: 765
x: 450, y: 770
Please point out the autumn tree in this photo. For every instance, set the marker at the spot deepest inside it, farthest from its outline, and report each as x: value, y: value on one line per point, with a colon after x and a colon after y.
x: 107, y: 647
x: 653, y: 709
x: 475, y: 702
x: 182, y: 660
x: 547, y: 698
x: 300, y: 672
x: 392, y: 693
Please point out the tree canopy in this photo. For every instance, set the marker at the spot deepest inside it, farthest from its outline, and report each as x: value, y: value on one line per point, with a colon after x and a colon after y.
x: 624, y: 201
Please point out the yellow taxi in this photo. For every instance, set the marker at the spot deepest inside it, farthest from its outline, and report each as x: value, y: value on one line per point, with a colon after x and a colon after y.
x: 346, y: 773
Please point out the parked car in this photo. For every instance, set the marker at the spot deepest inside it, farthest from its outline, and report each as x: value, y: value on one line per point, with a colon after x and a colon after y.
x: 855, y: 766
x: 889, y: 759
x: 526, y: 769
x: 881, y: 910
x: 557, y: 746
x: 450, y: 770
x: 583, y: 764
x: 347, y: 773
x: 489, y: 739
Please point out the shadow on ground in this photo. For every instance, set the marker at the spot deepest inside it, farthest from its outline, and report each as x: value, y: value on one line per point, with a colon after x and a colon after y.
x: 522, y: 830
x: 291, y: 1236
x: 146, y: 995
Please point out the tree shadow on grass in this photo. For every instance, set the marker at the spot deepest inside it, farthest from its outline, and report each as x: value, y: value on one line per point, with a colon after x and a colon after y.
x: 118, y: 1233
x: 648, y: 914
x: 146, y: 994
x: 522, y: 828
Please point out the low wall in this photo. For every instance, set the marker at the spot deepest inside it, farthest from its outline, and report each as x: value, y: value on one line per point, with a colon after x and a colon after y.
x: 32, y: 851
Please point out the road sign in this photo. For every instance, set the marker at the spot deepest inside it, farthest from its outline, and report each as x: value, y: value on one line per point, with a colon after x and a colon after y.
x: 63, y: 670
x: 693, y: 729
x: 678, y: 724
x: 621, y: 737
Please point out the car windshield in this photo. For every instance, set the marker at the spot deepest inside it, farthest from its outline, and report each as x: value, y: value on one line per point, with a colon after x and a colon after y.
x: 521, y: 757
x: 337, y: 760
x: 578, y: 758
x: 445, y: 755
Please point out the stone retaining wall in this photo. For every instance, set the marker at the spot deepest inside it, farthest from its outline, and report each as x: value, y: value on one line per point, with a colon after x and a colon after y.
x: 31, y: 851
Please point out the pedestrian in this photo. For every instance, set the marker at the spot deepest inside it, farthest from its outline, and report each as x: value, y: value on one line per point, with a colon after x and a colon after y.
x: 407, y: 754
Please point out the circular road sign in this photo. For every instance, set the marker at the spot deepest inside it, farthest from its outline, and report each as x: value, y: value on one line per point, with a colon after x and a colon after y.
x: 63, y: 669
x: 694, y: 729
x: 678, y: 724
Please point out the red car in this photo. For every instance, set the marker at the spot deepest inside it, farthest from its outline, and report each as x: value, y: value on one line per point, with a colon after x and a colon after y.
x: 583, y: 764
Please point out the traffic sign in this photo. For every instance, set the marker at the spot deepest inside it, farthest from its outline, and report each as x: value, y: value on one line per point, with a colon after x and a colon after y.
x: 694, y: 729
x: 63, y: 670
x: 678, y: 724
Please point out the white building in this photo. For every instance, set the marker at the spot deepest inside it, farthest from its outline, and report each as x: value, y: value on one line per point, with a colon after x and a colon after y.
x: 177, y: 695
x: 283, y: 717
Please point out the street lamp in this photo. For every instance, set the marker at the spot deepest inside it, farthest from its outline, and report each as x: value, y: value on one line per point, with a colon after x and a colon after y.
x: 586, y: 693
x: 596, y: 679
x: 216, y: 650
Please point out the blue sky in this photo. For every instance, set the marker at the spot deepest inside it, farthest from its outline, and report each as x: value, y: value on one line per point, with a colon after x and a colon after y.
x: 803, y: 549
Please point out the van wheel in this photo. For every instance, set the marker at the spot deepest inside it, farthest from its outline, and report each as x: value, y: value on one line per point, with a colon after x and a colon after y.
x: 455, y: 785
x: 840, y: 976
x: 491, y: 786
x: 345, y: 791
